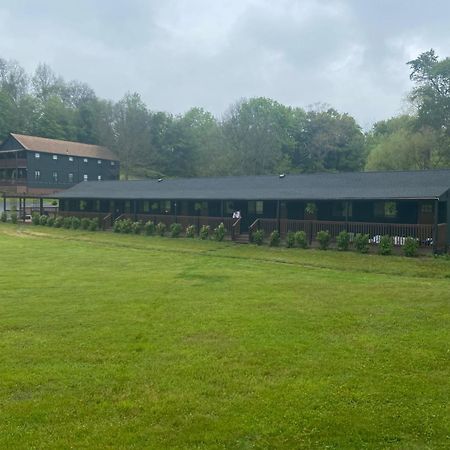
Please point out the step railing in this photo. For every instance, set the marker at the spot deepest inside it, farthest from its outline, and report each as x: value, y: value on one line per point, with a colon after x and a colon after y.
x: 236, y: 229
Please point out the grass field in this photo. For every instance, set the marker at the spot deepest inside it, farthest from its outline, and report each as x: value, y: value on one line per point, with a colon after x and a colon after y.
x: 112, y: 341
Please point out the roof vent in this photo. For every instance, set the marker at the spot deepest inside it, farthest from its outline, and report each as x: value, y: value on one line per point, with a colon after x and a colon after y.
x: 282, y: 175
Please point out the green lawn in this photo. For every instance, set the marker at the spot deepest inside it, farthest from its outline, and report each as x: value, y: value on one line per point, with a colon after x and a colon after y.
x: 110, y: 341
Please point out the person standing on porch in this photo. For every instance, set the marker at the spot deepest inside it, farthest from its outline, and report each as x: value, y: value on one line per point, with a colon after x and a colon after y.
x: 237, y: 214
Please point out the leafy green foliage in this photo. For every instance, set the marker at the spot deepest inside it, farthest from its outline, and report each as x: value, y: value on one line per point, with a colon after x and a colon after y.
x: 136, y: 227
x: 410, y: 247
x: 76, y: 223
x: 257, y: 237
x: 14, y: 217
x: 362, y: 243
x: 58, y: 222
x: 290, y: 239
x: 175, y: 230
x: 301, y: 239
x: 85, y: 222
x: 386, y: 245
x: 43, y: 220
x: 50, y: 221
x: 219, y: 232
x: 93, y: 224
x: 149, y: 228
x: 323, y: 238
x: 204, y: 232
x: 35, y: 219
x: 274, y: 238
x: 3, y: 216
x: 161, y: 229
x: 67, y: 222
x: 190, y: 231
x: 343, y: 240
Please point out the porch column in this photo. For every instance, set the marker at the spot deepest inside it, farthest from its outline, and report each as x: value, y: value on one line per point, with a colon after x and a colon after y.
x: 435, y: 225
x: 24, y: 208
x: 41, y: 206
x: 135, y: 210
x: 4, y: 202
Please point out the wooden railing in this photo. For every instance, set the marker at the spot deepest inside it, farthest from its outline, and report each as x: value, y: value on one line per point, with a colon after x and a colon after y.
x: 235, y: 228
x: 441, y: 237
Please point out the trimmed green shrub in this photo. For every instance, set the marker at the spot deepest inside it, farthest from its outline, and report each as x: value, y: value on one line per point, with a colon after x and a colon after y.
x: 343, y: 241
x: 58, y: 222
x: 67, y: 222
x: 386, y: 245
x: 85, y: 222
x: 301, y: 239
x: 258, y: 237
x: 43, y: 220
x: 161, y: 228
x: 76, y: 223
x: 204, y: 232
x: 274, y: 239
x: 175, y: 230
x: 14, y: 217
x: 117, y: 226
x: 50, y: 221
x: 290, y: 239
x: 410, y: 247
x: 362, y: 243
x: 136, y: 227
x: 324, y: 239
x: 35, y: 219
x: 3, y: 216
x: 219, y: 232
x: 190, y: 231
x: 93, y: 224
x: 149, y: 228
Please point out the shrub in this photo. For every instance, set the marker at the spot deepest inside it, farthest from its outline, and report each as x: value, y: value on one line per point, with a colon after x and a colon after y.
x: 14, y: 217
x: 117, y: 226
x: 386, y: 245
x: 343, y: 241
x: 3, y: 217
x: 161, y: 228
x: 93, y: 224
x: 149, y: 228
x: 324, y: 238
x: 35, y: 218
x: 190, y: 231
x: 258, y: 237
x: 219, y: 232
x: 175, y: 230
x: 43, y: 220
x: 67, y: 222
x: 136, y: 227
x: 410, y: 247
x: 362, y: 243
x: 76, y: 223
x: 50, y: 221
x: 301, y: 239
x: 58, y: 222
x: 126, y: 226
x: 274, y: 239
x: 84, y: 223
x: 290, y: 239
x: 204, y: 232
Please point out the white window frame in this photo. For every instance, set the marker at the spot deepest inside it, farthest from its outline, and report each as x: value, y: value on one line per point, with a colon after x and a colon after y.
x: 37, y: 155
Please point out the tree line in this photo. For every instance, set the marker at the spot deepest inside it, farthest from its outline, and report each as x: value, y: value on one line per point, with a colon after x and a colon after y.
x: 255, y: 136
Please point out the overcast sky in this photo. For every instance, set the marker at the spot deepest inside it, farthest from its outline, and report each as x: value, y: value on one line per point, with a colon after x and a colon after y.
x: 177, y: 54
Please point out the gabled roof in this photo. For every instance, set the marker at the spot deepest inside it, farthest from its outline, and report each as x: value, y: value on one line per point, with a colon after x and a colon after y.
x: 61, y: 147
x: 427, y: 184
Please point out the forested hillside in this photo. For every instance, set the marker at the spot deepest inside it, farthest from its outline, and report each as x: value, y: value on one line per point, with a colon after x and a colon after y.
x: 254, y: 136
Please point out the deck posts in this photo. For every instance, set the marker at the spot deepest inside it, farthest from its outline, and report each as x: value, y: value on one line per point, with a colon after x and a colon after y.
x: 435, y: 226
x: 41, y: 206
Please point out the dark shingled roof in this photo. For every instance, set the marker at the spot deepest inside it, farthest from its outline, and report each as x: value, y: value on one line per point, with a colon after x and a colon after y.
x: 428, y: 184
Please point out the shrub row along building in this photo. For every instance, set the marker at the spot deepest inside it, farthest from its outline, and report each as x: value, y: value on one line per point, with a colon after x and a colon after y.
x: 39, y: 166
x: 399, y: 204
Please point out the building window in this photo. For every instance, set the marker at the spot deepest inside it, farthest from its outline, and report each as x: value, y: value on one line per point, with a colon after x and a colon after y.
x: 386, y: 209
x: 85, y: 160
x: 55, y: 177
x: 426, y: 208
x: 37, y: 175
x: 146, y: 206
x: 55, y: 157
x: 83, y: 205
x: 85, y: 177
x: 70, y: 177
x: 99, y: 178
x: 99, y: 161
x: 113, y: 163
x: 37, y: 155
x: 71, y: 158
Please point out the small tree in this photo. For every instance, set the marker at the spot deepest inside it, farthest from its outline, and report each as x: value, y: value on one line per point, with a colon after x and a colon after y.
x: 149, y: 228
x: 386, y: 245
x: 76, y: 223
x: 290, y: 239
x: 219, y: 232
x: 258, y: 237
x: 93, y: 224
x: 362, y: 243
x: 161, y: 228
x: 136, y: 227
x: 35, y: 219
x: 43, y: 220
x: 175, y: 230
x: 3, y: 216
x: 190, y: 231
x: 410, y: 247
x: 204, y: 232
x: 14, y: 217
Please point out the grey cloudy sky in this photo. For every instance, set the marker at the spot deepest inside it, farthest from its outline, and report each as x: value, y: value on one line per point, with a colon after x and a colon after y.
x: 350, y: 54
